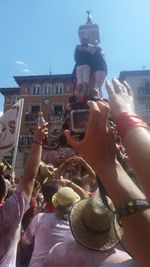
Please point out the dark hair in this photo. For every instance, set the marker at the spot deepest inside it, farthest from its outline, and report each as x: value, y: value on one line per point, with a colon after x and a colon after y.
x: 3, y: 187
x: 49, y: 189
x: 62, y: 140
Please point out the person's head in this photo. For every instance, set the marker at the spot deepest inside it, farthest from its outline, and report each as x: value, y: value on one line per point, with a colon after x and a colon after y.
x: 3, y: 188
x: 48, y: 190
x: 64, y: 199
x: 62, y: 140
x: 94, y: 225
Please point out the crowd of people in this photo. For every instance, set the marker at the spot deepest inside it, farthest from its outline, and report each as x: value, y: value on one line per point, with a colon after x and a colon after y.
x: 93, y: 209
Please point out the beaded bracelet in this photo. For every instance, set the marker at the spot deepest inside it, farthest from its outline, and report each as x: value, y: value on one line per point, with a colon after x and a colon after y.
x: 127, y: 121
x: 131, y: 207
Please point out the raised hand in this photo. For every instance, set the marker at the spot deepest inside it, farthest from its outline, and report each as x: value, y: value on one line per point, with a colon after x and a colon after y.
x: 120, y: 97
x: 98, y: 146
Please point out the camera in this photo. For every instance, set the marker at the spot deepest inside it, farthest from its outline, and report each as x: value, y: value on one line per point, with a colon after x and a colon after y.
x: 79, y: 120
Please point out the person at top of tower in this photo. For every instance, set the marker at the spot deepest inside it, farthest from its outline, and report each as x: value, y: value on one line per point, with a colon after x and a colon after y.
x: 91, y: 67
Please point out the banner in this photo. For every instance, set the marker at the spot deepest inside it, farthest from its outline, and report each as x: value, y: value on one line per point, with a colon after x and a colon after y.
x: 10, y: 127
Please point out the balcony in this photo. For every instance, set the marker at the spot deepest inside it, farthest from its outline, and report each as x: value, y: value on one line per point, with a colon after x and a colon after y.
x: 25, y: 140
x: 30, y: 118
x: 56, y: 118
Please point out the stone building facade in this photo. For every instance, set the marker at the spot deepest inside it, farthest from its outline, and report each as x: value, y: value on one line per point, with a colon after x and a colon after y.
x: 46, y: 93
x: 140, y: 83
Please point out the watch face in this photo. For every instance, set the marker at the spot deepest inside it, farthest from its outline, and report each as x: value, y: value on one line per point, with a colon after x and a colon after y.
x: 46, y: 101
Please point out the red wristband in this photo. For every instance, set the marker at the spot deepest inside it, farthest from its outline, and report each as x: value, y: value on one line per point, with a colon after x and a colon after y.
x: 127, y: 121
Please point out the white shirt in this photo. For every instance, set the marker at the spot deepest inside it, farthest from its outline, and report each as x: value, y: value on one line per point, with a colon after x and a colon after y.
x: 11, y: 213
x: 72, y: 254
x: 45, y: 230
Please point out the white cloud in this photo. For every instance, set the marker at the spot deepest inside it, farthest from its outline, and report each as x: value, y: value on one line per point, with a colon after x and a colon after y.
x: 1, y: 113
x: 25, y: 70
x: 20, y: 62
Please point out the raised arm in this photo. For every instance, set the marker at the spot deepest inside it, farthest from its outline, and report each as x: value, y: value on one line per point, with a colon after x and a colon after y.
x: 99, y: 141
x: 81, y: 161
x: 135, y: 134
x: 90, y: 177
x: 32, y: 164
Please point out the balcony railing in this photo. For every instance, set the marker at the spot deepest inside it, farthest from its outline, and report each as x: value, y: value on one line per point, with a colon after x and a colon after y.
x: 25, y: 140
x: 53, y: 117
x: 30, y: 117
x: 56, y: 117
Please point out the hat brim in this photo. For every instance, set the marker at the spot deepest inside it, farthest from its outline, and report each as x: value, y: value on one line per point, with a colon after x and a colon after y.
x: 91, y: 240
x: 54, y: 200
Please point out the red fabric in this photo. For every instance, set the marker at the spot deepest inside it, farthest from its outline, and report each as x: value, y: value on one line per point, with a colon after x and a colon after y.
x: 50, y: 207
x: 127, y: 121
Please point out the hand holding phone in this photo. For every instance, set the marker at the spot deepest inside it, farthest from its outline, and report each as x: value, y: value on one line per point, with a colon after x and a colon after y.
x: 79, y: 120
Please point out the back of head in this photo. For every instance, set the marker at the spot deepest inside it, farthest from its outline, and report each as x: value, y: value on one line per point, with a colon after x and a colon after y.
x: 49, y: 189
x: 64, y: 199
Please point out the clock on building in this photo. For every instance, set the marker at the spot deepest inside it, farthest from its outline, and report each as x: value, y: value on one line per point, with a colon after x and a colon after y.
x: 46, y: 101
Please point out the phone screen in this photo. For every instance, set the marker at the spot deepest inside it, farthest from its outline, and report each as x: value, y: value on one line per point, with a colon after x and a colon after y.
x: 79, y: 120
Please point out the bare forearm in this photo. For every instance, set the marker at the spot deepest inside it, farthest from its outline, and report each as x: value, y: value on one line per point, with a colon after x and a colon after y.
x: 137, y: 236
x: 121, y: 189
x: 31, y: 169
x: 119, y: 185
x: 137, y: 144
x: 88, y: 168
x: 33, y: 161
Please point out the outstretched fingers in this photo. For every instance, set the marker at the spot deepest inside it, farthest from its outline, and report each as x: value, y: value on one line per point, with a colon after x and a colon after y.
x: 128, y: 87
x: 109, y: 88
x: 118, y: 86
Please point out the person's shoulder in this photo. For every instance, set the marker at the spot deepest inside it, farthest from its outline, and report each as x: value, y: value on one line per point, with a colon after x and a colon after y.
x: 45, y: 216
x: 17, y: 196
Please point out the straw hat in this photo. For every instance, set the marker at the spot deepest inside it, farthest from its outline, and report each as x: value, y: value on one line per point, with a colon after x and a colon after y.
x: 94, y: 225
x: 46, y: 170
x: 65, y: 197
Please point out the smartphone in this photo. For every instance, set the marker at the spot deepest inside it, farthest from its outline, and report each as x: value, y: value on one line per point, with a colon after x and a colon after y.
x: 79, y: 120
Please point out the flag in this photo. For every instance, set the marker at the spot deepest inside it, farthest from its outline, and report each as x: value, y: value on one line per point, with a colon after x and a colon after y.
x: 10, y: 126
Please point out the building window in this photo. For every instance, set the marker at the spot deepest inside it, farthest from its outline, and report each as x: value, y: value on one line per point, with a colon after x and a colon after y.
x: 34, y: 109
x: 58, y: 89
x: 140, y: 91
x: 47, y: 89
x: 147, y: 105
x: 147, y: 90
x: 36, y: 89
x: 14, y: 99
x: 32, y: 114
x: 58, y: 109
x: 57, y: 112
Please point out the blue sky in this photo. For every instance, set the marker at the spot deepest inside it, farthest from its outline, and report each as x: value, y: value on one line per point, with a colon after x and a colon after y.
x: 37, y: 35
